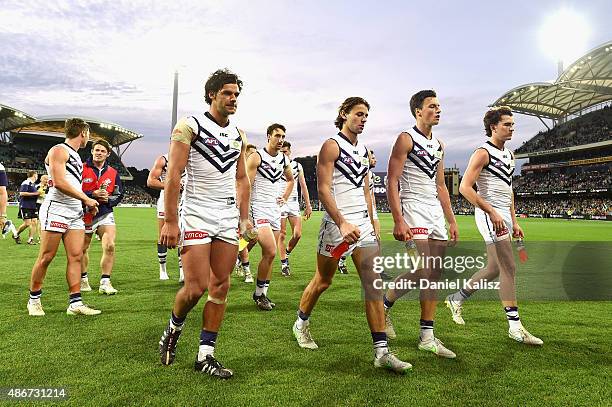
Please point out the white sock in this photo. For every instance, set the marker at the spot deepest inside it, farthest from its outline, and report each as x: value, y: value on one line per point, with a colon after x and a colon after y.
x: 247, y: 269
x: 75, y: 304
x: 300, y: 323
x: 265, y: 289
x: 204, y: 351
x: 162, y: 268
x: 104, y: 281
x: 378, y: 352
x: 426, y: 334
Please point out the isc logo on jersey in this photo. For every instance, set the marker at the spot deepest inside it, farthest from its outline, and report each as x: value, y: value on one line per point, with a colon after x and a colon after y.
x: 211, y: 141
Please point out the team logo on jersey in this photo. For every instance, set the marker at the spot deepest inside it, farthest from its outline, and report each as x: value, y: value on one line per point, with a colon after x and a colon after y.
x: 438, y: 154
x: 348, y: 160
x: 235, y: 145
x: 195, y: 234
x: 498, y: 163
x: 421, y: 153
x: 266, y: 166
x: 211, y: 141
x: 365, y: 161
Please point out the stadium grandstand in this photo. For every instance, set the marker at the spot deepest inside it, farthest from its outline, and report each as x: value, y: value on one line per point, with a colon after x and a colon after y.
x: 569, y: 167
x: 25, y: 140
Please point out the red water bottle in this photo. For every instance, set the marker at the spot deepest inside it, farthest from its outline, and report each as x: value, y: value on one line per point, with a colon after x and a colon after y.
x: 522, y: 252
x: 339, y: 250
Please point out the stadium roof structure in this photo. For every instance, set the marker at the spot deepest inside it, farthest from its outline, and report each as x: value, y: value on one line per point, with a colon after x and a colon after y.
x: 12, y: 118
x: 17, y: 121
x: 585, y: 83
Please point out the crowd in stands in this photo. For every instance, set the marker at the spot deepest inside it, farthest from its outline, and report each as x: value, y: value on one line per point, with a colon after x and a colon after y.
x: 135, y: 194
x: 574, y: 206
x: 461, y: 206
x: 590, y: 128
x: 591, y: 177
x: 31, y: 156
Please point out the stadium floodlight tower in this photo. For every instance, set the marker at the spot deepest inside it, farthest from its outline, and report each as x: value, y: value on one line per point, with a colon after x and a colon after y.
x: 174, y: 98
x: 564, y: 36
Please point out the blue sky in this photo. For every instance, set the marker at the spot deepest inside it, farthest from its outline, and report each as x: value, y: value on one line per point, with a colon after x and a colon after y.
x: 298, y: 60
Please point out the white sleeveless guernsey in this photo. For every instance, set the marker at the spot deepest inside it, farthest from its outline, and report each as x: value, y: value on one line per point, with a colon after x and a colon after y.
x: 268, y: 176
x: 495, y: 180
x: 350, y: 170
x: 74, y: 175
x: 211, y: 168
x: 162, y: 177
x: 296, y: 169
x: 418, y: 179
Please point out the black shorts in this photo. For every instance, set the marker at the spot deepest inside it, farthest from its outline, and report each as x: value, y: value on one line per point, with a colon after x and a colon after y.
x: 28, y: 213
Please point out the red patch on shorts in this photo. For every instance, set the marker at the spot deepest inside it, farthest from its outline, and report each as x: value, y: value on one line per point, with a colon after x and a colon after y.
x: 262, y: 221
x: 195, y: 234
x: 502, y: 232
x: 329, y: 247
x: 161, y: 213
x: 419, y: 231
x: 59, y: 225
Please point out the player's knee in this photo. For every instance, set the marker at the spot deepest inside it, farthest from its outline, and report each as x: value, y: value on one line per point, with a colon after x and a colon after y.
x: 109, y: 248
x: 373, y: 290
x: 297, y: 234
x: 195, y: 292
x: 322, y: 284
x: 74, y: 258
x: 46, y: 258
x: 219, y: 289
x: 269, y: 252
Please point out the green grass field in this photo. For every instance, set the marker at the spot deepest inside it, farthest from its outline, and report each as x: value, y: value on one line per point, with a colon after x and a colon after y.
x: 112, y: 359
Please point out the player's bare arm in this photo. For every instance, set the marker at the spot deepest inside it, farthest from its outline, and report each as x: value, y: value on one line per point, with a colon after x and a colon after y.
x: 517, y: 231
x: 153, y: 180
x: 288, y: 173
x: 251, y: 166
x: 305, y: 195
x: 444, y: 198
x: 3, y: 202
x: 478, y: 161
x: 368, y: 197
x: 325, y: 167
x: 177, y: 160
x: 57, y: 159
x: 243, y: 187
x: 401, y: 149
